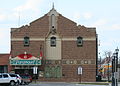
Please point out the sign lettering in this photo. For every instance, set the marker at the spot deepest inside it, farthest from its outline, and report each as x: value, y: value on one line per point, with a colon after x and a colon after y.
x: 25, y: 62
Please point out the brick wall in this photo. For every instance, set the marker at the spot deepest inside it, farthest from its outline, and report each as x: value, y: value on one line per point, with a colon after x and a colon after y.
x: 34, y: 48
x: 4, y: 59
x: 37, y: 29
x: 68, y: 28
x: 71, y: 51
x: 65, y: 29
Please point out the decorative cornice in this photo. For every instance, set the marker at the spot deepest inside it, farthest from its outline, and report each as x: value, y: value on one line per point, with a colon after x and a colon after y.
x: 71, y: 62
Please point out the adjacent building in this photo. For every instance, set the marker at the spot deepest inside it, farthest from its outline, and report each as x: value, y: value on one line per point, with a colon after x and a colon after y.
x: 52, y: 48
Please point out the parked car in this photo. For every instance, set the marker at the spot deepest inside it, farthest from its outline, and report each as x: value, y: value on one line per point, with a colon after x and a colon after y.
x: 9, y: 78
x: 19, y: 79
x: 26, y: 79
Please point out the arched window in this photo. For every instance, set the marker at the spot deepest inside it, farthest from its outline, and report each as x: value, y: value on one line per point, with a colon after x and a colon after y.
x: 26, y: 41
x: 53, y: 21
x: 53, y: 42
x: 79, y: 41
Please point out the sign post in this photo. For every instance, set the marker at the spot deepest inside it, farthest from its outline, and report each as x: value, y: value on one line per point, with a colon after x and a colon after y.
x: 80, y: 72
x: 35, y: 72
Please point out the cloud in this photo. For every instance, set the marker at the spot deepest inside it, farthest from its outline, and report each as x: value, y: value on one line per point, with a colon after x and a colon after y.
x: 2, y: 17
x: 27, y: 11
x: 111, y: 43
x: 29, y: 5
x: 7, y: 16
x: 4, y: 32
x: 1, y: 35
x: 76, y: 16
x: 100, y: 22
x: 82, y: 16
x: 108, y: 27
x: 87, y: 15
x: 115, y: 27
x: 5, y: 40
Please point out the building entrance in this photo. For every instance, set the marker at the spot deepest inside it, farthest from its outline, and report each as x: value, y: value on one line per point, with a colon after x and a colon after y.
x: 24, y: 71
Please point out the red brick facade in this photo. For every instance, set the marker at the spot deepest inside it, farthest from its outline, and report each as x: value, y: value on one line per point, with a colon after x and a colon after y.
x: 72, y: 56
x: 4, y: 59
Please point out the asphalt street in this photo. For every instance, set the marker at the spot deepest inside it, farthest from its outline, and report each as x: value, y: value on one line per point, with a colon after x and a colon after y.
x: 60, y: 84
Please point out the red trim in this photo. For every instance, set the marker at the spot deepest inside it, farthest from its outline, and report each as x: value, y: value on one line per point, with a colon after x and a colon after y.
x: 41, y: 54
x: 25, y: 56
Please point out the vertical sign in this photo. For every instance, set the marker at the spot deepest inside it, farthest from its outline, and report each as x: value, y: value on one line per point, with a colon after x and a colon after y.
x: 35, y: 70
x: 79, y: 70
x: 80, y: 73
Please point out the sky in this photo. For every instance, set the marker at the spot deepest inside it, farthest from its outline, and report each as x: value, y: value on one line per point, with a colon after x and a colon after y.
x: 102, y: 14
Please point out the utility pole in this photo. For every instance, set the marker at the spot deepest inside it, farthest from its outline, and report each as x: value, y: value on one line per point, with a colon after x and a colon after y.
x: 108, y: 68
x: 113, y: 70
x: 109, y: 60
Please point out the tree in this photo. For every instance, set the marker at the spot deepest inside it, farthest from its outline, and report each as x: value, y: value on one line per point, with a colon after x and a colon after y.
x: 108, y: 58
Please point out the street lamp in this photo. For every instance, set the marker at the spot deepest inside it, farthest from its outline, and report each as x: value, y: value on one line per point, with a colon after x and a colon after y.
x: 114, y: 68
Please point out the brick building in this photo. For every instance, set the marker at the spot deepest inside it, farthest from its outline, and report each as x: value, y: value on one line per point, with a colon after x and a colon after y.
x: 63, y: 45
x: 4, y: 63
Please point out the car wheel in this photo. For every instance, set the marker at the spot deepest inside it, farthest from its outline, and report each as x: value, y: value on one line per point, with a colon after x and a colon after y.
x: 22, y: 83
x: 17, y: 84
x: 12, y: 83
x: 27, y: 83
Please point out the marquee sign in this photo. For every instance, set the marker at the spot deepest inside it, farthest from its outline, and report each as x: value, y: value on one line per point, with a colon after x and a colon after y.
x: 25, y: 62
x: 25, y: 59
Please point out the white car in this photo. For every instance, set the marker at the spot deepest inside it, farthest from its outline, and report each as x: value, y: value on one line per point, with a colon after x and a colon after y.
x: 19, y: 79
x: 9, y: 78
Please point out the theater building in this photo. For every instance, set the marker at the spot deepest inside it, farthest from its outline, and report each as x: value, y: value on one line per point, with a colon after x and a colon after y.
x: 56, y: 47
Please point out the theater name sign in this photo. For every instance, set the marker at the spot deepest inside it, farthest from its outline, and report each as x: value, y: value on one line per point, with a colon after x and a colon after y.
x: 25, y: 62
x: 25, y: 59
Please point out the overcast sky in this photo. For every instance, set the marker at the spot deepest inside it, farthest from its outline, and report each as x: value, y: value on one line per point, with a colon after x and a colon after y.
x: 102, y: 14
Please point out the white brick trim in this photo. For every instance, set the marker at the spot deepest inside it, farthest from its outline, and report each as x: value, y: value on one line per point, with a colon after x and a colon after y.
x: 63, y: 39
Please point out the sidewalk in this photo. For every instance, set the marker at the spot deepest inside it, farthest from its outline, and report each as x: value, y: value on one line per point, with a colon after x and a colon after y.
x: 77, y: 83
x: 118, y: 84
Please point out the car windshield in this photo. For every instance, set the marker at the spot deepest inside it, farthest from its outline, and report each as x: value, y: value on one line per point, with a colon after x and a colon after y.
x: 0, y: 76
x: 12, y: 75
x: 25, y: 76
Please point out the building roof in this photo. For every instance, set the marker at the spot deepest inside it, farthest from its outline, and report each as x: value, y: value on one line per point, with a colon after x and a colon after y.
x: 67, y: 28
x: 4, y: 55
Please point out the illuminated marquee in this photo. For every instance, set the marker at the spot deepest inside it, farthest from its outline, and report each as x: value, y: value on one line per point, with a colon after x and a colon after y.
x: 25, y: 62
x: 25, y: 59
